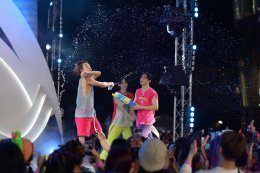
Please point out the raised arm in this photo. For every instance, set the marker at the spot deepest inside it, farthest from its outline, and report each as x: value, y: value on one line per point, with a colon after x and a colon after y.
x: 96, y: 74
x: 93, y: 74
x: 187, y: 166
x: 93, y: 82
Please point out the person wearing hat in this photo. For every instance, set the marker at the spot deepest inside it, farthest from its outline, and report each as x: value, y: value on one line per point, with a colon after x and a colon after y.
x: 153, y: 157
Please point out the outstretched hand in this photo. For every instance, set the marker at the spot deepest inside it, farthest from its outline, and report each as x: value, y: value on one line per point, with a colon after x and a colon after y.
x: 95, y: 153
x: 110, y: 84
x: 251, y: 127
x: 204, y: 142
x: 193, y: 149
x: 40, y: 161
x: 136, y: 107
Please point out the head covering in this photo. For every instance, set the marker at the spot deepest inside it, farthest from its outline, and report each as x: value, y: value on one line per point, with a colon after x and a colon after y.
x: 152, y: 155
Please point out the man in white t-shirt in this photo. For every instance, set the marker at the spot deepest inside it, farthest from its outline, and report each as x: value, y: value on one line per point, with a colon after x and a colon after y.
x: 231, y: 147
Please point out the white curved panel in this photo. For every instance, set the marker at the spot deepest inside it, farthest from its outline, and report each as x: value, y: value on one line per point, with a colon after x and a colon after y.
x: 10, y: 106
x: 9, y: 76
x: 24, y: 69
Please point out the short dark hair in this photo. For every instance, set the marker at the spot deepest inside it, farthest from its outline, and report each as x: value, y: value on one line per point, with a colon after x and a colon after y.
x: 60, y: 162
x: 11, y: 157
x: 75, y: 148
x: 119, y: 157
x: 233, y: 145
x: 78, y: 67
x: 149, y: 75
x: 121, y: 80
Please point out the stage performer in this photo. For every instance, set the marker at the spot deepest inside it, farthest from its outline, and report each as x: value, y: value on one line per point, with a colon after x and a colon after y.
x: 122, y: 118
x: 146, y: 100
x: 85, y: 114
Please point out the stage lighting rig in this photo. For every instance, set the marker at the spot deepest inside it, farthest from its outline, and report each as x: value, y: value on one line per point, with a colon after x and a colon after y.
x: 175, y: 19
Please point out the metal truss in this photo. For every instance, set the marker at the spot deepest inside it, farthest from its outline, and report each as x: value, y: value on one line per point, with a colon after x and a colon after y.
x: 183, y: 57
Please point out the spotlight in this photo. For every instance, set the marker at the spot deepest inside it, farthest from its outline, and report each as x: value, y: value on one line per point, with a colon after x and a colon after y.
x: 51, y: 151
x: 59, y: 60
x: 220, y: 122
x: 50, y: 147
x: 48, y: 46
x: 196, y: 9
x: 196, y: 14
x: 191, y: 115
x: 194, y: 47
x: 51, y: 3
x: 60, y: 35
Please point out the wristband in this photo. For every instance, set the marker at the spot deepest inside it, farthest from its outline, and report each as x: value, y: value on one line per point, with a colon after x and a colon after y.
x: 100, y: 164
x: 188, y: 163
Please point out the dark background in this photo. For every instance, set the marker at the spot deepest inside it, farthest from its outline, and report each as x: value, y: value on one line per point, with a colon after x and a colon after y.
x: 125, y: 36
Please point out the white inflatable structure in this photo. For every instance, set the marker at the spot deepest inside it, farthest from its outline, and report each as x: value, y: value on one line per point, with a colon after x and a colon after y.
x: 27, y: 93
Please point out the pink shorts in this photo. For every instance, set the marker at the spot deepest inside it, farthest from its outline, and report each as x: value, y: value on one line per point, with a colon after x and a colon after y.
x: 87, y: 126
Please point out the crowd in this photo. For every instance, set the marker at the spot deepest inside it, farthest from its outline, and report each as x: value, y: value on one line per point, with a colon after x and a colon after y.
x: 227, y: 151
x: 145, y: 150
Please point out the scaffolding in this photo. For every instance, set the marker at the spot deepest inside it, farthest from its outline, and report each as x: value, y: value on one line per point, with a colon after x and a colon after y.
x: 179, y: 21
x: 53, y: 54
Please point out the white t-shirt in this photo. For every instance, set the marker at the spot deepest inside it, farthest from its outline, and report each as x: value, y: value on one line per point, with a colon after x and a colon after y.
x: 186, y: 168
x: 220, y: 170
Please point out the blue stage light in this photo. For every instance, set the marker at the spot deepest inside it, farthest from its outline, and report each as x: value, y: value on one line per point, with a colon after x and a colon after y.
x: 191, y: 125
x: 48, y: 46
x: 59, y: 60
x: 196, y: 14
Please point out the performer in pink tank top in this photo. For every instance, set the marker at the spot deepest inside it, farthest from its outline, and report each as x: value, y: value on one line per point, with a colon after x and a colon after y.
x: 146, y: 100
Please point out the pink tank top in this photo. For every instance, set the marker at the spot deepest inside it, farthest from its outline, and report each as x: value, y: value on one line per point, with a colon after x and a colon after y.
x: 144, y: 98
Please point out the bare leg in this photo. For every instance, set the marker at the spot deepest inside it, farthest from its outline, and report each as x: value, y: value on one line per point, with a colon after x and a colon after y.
x: 103, y: 141
x: 82, y: 139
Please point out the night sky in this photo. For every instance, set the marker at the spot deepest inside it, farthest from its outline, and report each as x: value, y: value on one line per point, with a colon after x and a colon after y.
x: 125, y: 36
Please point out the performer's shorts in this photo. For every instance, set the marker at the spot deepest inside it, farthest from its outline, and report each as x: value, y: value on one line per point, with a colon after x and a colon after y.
x: 87, y: 126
